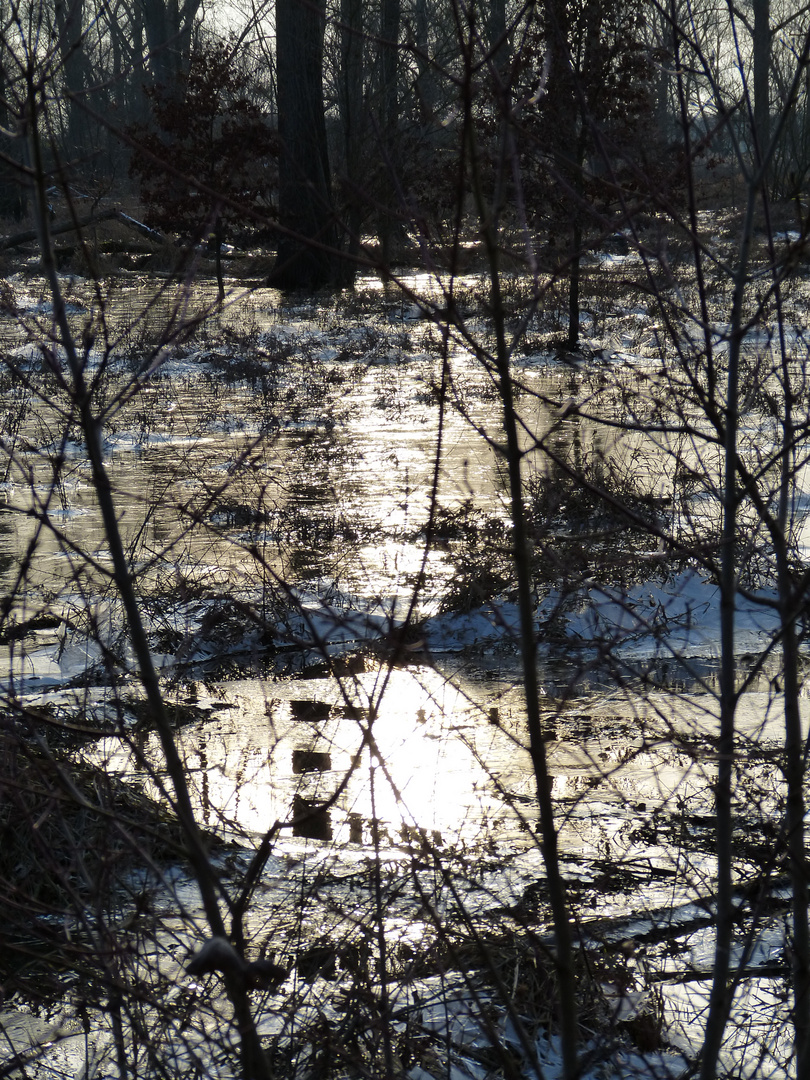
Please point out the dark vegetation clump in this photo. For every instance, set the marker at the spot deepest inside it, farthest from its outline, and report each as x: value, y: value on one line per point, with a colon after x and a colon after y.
x: 73, y: 837
x: 211, y: 127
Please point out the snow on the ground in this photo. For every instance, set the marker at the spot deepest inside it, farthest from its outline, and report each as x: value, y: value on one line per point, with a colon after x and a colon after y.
x: 679, y: 616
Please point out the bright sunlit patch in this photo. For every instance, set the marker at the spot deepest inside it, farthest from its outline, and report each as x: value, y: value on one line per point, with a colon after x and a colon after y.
x: 418, y: 784
x: 421, y: 778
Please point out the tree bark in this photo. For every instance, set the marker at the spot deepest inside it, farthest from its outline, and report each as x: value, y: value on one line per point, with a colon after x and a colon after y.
x: 13, y: 199
x: 253, y: 1060
x: 351, y: 114
x: 423, y: 83
x: 168, y: 27
x: 305, y: 257
x: 721, y: 994
x: 791, y: 602
x: 762, y: 65
x: 76, y: 73
x: 496, y: 38
x: 156, y: 28
x: 390, y: 15
x: 567, y: 147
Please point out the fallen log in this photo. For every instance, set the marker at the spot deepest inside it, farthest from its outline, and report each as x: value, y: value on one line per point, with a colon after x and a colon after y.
x: 75, y: 224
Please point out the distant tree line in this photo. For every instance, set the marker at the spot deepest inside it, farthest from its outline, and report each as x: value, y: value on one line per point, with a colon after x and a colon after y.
x: 325, y: 124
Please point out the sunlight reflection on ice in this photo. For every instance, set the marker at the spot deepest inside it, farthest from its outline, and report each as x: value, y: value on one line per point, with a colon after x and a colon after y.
x: 418, y: 754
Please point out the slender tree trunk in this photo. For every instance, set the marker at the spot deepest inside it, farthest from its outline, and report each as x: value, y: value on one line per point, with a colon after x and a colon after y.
x: 575, y: 264
x: 254, y: 1063
x: 388, y: 124
x: 576, y: 179
x: 567, y: 130
x: 563, y: 955
x: 351, y: 113
x: 794, y: 770
x: 762, y: 74
x: 219, y: 238
x: 567, y: 998
x: 720, y: 999
x: 795, y: 763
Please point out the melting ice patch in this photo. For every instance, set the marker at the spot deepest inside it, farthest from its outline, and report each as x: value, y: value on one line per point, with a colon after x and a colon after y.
x: 679, y: 615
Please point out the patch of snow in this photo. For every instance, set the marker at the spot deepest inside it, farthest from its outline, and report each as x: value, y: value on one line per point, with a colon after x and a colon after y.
x: 680, y: 616
x: 24, y: 356
x: 677, y: 616
x: 452, y: 631
x: 340, y: 617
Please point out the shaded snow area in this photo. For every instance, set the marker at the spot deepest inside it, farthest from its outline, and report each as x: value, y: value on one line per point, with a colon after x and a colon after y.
x: 679, y: 617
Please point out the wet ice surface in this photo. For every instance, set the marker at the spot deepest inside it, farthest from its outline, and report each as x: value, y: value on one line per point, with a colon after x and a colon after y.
x: 424, y: 764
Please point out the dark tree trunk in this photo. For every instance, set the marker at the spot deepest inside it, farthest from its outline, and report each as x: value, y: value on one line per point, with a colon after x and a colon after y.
x: 496, y: 35
x: 168, y: 26
x: 13, y: 200
x: 567, y: 149
x: 76, y: 74
x: 351, y: 114
x: 306, y: 256
x: 160, y: 32
x: 128, y: 50
x: 425, y: 83
x: 182, y: 18
x: 390, y: 229
x: 665, y: 111
x: 157, y: 30
x: 762, y: 73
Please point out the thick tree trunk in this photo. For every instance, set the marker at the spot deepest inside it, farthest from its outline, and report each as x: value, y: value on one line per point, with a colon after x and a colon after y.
x: 77, y: 75
x: 168, y: 26
x: 13, y: 201
x: 182, y: 19
x: 127, y: 49
x: 156, y: 27
x: 306, y: 257
x: 496, y: 38
x: 423, y: 85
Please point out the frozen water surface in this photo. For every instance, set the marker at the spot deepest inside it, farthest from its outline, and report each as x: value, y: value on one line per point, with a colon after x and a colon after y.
x: 275, y: 497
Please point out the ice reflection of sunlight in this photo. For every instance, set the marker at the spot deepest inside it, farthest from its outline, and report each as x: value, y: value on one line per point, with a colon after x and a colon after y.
x: 426, y: 779
x: 261, y: 754
x: 425, y: 776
